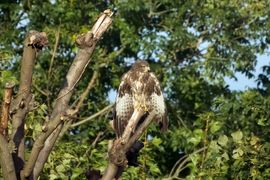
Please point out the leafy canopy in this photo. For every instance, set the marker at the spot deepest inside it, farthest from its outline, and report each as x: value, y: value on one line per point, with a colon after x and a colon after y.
x: 191, y: 46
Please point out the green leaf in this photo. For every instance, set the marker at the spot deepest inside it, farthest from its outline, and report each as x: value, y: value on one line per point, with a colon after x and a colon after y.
x: 156, y: 141
x: 237, y: 153
x: 223, y: 140
x: 237, y: 136
x: 215, y: 127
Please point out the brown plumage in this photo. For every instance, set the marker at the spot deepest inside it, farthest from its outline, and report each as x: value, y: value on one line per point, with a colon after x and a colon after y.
x: 139, y: 88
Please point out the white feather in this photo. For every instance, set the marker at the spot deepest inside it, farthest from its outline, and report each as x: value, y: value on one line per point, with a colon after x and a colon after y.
x: 158, y: 104
x: 124, y: 105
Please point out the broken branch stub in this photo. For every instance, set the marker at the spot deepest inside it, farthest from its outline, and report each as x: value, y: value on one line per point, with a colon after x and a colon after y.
x: 5, y: 108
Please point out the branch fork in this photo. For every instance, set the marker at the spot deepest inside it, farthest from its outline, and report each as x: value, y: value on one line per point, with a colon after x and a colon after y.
x: 117, y: 153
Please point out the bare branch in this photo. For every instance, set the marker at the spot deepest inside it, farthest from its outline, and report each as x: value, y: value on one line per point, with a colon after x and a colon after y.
x: 57, y: 37
x: 93, y: 116
x: 20, y: 106
x: 92, y: 146
x: 79, y: 104
x: 87, y: 45
x: 5, y: 108
x: 87, y: 90
x: 179, y: 165
x: 43, y: 155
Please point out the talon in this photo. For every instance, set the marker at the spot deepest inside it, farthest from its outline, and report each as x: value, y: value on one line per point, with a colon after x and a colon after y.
x: 144, y: 107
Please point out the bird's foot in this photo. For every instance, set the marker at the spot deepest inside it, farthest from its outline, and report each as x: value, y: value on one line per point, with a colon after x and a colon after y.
x: 143, y: 107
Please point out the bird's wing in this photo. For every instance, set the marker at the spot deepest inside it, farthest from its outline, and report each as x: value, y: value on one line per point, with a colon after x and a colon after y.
x: 158, y: 103
x: 124, y: 106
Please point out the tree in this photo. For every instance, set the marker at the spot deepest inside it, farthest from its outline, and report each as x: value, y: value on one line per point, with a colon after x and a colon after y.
x: 191, y: 45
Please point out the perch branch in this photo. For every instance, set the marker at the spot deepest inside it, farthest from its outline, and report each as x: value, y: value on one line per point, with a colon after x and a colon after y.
x: 20, y: 106
x: 140, y: 130
x: 86, y: 43
x: 132, y: 123
x: 118, y: 151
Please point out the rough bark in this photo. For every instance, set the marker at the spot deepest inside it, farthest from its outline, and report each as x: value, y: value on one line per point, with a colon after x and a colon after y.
x: 117, y: 153
x: 20, y: 106
x: 6, y: 161
x: 86, y: 43
x: 5, y: 108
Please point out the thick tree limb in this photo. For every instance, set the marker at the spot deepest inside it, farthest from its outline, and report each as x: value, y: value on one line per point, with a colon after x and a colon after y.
x: 6, y: 161
x: 20, y: 107
x: 43, y: 156
x: 5, y: 108
x: 117, y: 154
x: 87, y: 43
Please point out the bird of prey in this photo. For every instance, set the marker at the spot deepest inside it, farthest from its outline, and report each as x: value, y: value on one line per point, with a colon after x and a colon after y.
x: 139, y: 90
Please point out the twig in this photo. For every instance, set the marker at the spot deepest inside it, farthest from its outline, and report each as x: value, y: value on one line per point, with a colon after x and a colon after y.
x: 182, y: 122
x: 79, y: 104
x: 185, y: 159
x: 87, y: 90
x: 205, y: 141
x: 176, y: 164
x: 40, y: 90
x: 93, y: 116
x: 5, y: 108
x: 57, y: 37
x: 91, y: 146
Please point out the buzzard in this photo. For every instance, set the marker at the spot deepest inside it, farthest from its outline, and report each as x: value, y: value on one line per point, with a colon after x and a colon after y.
x: 139, y: 89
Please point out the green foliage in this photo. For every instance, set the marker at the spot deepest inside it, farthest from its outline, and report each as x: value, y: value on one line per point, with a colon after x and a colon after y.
x: 191, y: 46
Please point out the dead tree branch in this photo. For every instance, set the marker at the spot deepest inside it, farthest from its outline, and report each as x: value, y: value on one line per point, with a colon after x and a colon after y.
x: 117, y: 154
x: 8, y: 168
x: 5, y: 108
x: 20, y: 106
x: 87, y: 43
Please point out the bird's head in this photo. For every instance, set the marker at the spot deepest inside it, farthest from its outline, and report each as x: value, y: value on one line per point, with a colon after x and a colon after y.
x: 141, y: 65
